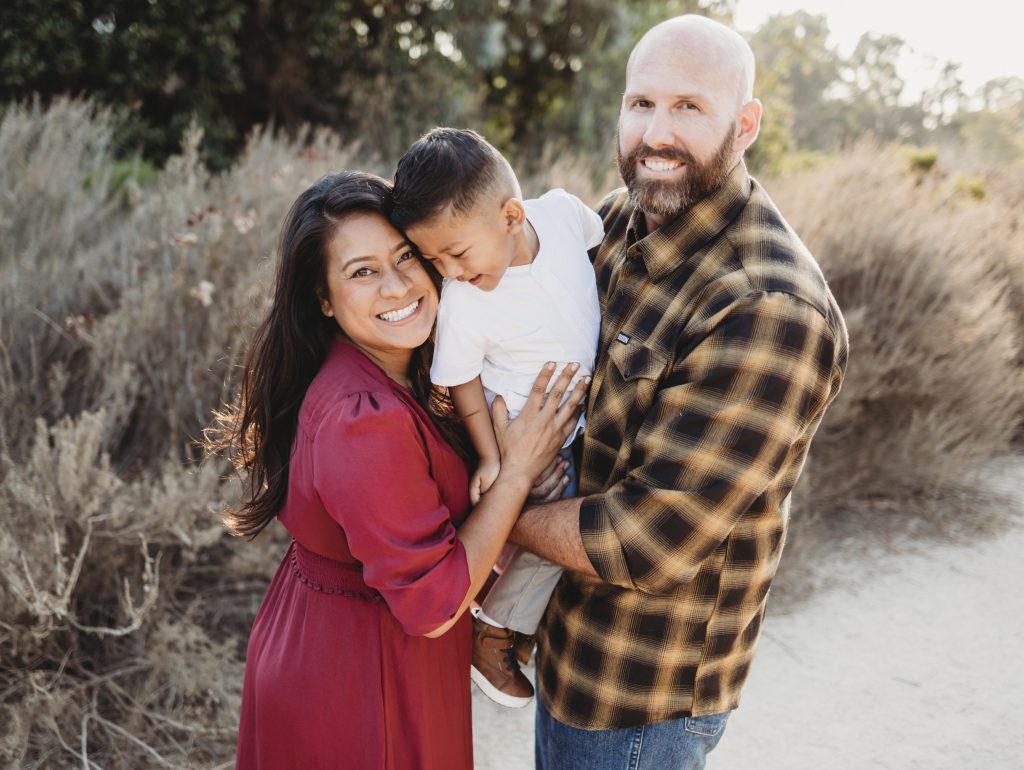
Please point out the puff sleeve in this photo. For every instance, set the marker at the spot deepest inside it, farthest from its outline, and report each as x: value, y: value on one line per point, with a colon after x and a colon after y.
x: 372, y: 473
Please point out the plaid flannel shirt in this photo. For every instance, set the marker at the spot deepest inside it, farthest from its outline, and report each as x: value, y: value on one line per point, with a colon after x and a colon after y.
x: 721, y: 346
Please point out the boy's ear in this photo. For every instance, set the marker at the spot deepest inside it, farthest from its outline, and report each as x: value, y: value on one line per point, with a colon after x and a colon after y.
x: 513, y: 214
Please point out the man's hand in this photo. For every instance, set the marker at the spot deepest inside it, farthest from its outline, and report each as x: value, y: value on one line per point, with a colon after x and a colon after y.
x: 551, y: 482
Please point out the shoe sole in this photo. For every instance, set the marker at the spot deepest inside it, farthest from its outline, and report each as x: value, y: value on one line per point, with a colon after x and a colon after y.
x: 496, y: 695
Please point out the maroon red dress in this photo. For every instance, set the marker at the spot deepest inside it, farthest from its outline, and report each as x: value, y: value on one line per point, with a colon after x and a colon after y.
x: 338, y: 672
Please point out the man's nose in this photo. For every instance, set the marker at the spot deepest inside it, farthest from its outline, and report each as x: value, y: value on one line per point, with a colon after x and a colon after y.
x: 658, y: 132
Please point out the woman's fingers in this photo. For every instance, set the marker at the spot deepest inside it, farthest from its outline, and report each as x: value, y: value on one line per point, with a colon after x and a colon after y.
x: 499, y: 413
x: 561, y: 384
x: 569, y: 411
x: 540, y: 387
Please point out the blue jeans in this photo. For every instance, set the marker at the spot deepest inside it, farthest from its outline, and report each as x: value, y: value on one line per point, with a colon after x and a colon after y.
x: 681, y: 744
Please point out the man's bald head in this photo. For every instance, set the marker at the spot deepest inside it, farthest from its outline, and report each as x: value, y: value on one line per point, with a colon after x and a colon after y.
x: 688, y: 114
x: 696, y: 37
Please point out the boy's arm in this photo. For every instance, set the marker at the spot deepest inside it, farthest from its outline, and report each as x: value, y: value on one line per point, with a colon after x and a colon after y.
x: 471, y: 405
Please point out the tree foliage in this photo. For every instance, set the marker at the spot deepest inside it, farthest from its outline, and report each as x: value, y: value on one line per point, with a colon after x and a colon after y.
x: 380, y: 71
x: 528, y: 73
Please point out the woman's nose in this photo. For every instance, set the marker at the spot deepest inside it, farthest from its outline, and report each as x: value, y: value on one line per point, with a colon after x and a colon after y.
x: 395, y: 283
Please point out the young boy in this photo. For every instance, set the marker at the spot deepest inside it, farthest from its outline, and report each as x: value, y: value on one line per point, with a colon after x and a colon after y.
x: 519, y: 291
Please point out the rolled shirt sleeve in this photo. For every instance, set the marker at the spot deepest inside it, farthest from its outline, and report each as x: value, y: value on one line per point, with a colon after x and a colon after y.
x: 372, y: 473
x: 727, y: 415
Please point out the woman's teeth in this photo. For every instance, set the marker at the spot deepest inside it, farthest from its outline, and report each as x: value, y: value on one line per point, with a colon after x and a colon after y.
x: 398, y: 315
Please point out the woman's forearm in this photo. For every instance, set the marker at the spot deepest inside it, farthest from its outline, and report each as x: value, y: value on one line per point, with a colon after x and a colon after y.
x: 485, y: 531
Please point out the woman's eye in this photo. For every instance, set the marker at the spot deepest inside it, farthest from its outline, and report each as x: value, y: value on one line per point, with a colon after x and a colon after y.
x: 362, y: 272
x: 406, y: 256
x: 460, y: 254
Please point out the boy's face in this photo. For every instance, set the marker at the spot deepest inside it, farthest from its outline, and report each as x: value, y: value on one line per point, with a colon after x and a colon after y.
x: 477, y: 246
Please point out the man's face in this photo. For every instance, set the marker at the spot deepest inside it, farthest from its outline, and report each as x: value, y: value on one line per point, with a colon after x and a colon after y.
x: 676, y: 136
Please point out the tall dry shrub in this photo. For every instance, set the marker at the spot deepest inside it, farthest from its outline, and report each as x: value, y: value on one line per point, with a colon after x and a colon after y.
x: 123, y: 316
x: 920, y: 268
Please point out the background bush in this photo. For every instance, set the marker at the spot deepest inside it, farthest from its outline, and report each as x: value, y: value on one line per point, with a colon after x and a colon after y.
x: 929, y: 277
x: 127, y: 297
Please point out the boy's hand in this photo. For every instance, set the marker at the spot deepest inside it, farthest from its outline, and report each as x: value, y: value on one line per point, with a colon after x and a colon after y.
x: 486, y: 473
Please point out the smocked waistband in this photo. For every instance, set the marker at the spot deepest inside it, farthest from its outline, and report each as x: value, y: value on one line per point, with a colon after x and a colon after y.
x: 329, y: 576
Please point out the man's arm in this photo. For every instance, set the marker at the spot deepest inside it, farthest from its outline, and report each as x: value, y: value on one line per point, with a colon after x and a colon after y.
x: 552, y: 530
x: 715, y: 438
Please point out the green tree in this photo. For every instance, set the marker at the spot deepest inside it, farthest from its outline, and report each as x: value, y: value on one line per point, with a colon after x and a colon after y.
x: 796, y: 68
x: 161, y: 60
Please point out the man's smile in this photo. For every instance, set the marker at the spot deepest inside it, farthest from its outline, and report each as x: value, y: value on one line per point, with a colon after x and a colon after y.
x: 659, y: 165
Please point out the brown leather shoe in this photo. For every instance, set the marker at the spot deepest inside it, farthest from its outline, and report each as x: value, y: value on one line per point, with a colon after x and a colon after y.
x: 495, y: 669
x: 524, y: 645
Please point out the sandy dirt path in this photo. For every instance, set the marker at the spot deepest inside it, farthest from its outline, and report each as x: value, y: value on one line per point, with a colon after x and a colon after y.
x: 914, y: 660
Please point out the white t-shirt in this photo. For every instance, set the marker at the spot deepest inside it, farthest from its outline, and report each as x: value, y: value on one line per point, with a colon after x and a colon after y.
x: 545, y: 311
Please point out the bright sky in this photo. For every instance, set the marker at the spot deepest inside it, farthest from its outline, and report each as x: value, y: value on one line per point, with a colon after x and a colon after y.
x: 986, y: 39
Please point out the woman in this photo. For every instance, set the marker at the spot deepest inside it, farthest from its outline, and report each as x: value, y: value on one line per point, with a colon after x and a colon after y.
x: 359, y: 656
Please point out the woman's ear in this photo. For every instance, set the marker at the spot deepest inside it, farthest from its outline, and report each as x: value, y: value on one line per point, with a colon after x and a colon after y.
x: 325, y: 304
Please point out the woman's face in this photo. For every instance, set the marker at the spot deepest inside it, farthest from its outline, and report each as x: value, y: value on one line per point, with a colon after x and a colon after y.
x: 378, y: 291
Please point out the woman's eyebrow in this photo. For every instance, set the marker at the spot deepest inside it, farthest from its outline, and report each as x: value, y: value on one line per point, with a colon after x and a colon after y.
x: 362, y: 258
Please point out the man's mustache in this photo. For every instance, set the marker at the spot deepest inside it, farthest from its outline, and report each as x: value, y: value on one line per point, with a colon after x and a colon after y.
x: 643, y: 151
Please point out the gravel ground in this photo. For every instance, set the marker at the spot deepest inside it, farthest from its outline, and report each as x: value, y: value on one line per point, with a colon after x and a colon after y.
x: 912, y: 659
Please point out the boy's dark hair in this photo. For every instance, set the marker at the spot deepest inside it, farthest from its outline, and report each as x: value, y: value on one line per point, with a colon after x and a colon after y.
x: 446, y: 167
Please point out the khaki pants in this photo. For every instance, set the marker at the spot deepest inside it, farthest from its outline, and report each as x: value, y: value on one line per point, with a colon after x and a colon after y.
x: 518, y: 598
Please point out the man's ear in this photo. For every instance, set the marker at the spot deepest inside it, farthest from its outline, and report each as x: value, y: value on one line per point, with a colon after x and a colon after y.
x: 513, y: 214
x: 748, y: 124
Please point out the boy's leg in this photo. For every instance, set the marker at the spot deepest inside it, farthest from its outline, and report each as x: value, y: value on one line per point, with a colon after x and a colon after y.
x: 515, y: 603
x: 519, y: 597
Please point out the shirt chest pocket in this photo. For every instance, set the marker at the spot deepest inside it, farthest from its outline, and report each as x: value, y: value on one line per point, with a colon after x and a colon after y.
x: 631, y: 382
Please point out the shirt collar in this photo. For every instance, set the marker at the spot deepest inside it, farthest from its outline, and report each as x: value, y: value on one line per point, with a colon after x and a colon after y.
x: 679, y: 239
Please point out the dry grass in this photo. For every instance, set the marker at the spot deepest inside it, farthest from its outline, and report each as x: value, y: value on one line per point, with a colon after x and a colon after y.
x: 124, y: 608
x: 929, y: 277
x: 122, y: 316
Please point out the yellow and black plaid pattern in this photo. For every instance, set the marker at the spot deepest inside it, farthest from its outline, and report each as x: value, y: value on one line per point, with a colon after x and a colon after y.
x: 721, y: 347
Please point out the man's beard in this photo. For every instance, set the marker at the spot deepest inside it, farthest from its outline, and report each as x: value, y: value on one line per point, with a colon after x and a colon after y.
x: 666, y: 199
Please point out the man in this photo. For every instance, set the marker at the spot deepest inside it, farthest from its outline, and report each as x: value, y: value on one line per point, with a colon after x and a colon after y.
x: 721, y: 346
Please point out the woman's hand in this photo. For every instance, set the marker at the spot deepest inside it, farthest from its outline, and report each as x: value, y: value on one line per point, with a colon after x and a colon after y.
x: 529, y: 442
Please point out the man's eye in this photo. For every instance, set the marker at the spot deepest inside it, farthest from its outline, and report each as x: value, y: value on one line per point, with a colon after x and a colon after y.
x: 641, y: 104
x: 460, y: 254
x: 690, y: 106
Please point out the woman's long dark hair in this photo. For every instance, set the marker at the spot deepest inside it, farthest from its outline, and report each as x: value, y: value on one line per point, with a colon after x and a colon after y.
x: 291, y: 344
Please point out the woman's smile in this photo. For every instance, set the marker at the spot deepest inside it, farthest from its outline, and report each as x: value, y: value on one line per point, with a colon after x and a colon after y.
x: 400, y: 314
